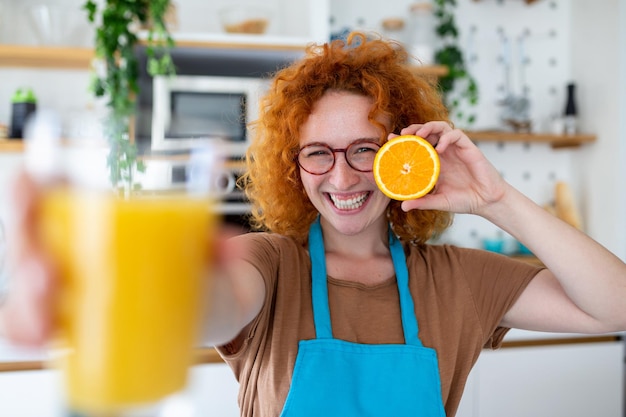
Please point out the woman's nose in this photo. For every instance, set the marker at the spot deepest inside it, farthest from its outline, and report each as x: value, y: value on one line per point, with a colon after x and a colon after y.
x: 343, y: 176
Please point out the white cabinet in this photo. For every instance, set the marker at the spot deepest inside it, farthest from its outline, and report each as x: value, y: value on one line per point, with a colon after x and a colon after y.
x: 561, y: 380
x: 27, y: 390
x: 212, y: 390
x: 30, y: 394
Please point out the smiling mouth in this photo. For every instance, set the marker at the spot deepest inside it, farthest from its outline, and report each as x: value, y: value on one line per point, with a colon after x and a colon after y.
x: 351, y: 203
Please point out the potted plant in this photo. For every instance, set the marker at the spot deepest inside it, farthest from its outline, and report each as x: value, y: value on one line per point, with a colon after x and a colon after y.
x: 116, y: 71
x: 458, y: 86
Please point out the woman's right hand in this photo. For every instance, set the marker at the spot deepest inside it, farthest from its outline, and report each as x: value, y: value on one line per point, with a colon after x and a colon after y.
x: 26, y: 314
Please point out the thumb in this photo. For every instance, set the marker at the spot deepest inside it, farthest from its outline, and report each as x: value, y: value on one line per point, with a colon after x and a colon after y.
x: 427, y: 202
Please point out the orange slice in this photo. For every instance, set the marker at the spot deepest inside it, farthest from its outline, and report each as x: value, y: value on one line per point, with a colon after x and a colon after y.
x: 406, y: 167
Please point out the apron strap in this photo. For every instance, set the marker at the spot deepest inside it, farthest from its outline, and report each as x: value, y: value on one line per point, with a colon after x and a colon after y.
x: 321, y: 310
x: 407, y: 308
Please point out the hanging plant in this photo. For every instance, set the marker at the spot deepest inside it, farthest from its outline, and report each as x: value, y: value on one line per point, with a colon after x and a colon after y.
x: 117, y: 72
x: 458, y: 87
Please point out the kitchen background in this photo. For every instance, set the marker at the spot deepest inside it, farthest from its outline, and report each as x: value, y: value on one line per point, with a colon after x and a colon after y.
x: 546, y: 44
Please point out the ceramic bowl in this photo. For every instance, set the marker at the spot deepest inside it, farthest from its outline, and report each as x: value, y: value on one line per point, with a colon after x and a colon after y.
x: 246, y: 19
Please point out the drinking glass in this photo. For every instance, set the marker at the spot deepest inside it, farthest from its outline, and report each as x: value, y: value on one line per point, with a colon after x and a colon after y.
x: 134, y: 271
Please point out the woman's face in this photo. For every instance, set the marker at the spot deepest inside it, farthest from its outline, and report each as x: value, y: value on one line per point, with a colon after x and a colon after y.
x: 347, y: 199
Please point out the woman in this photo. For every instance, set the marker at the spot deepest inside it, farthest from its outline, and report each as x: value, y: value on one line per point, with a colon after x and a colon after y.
x: 341, y: 307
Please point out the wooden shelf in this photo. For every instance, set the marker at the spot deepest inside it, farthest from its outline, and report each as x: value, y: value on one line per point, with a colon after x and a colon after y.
x: 561, y: 341
x: 434, y: 71
x: 557, y: 141
x: 525, y: 1
x: 203, y: 355
x: 45, y: 57
x: 80, y: 58
x: 12, y: 145
x: 236, y: 41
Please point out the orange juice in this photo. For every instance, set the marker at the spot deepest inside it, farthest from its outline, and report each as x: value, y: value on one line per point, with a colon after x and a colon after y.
x: 133, y: 273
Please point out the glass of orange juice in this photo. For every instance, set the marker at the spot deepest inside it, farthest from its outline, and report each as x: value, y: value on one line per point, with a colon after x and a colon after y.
x: 134, y: 269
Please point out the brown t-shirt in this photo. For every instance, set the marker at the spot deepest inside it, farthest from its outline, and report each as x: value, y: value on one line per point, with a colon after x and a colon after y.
x: 460, y: 297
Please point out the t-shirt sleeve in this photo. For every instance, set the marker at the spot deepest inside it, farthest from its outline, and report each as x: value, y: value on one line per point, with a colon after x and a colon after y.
x: 495, y: 282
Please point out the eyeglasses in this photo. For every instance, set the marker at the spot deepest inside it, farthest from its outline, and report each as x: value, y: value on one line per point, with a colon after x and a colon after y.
x: 319, y: 158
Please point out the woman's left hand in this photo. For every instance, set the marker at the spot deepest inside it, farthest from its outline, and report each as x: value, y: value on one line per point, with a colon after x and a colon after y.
x: 574, y: 294
x: 467, y: 183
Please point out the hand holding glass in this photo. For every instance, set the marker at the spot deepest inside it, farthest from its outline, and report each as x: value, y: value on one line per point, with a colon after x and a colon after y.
x: 134, y: 272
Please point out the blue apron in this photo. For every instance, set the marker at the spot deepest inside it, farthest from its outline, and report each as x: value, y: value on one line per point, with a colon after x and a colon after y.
x: 334, y: 377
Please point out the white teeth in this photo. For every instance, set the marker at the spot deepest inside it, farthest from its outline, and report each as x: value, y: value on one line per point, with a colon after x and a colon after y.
x: 350, y: 203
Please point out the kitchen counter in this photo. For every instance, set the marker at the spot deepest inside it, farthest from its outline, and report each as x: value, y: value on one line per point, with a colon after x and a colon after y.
x: 14, y: 358
x: 521, y: 338
x: 517, y: 334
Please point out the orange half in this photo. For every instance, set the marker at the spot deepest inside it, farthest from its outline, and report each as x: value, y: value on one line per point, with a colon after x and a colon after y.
x: 406, y: 167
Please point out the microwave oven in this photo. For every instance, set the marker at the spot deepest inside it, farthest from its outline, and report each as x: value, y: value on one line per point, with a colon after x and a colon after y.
x: 188, y: 111
x: 213, y: 96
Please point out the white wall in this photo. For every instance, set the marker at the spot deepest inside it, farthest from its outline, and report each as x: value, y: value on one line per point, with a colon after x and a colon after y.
x: 597, y: 61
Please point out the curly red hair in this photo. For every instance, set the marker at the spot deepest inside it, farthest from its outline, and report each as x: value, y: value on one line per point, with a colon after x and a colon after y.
x: 372, y: 67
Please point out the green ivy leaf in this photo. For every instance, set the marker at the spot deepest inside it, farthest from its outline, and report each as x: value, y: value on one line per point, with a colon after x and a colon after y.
x: 92, y: 8
x: 451, y: 56
x: 114, y: 45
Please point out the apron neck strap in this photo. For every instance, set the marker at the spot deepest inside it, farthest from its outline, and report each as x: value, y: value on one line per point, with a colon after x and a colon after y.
x: 321, y: 310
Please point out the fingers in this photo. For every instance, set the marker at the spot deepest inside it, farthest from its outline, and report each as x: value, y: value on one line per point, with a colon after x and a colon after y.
x: 409, y: 130
x: 26, y: 317
x: 440, y: 134
x: 412, y: 129
x: 27, y: 313
x: 24, y: 194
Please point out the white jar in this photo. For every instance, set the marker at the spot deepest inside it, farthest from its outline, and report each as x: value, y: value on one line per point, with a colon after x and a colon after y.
x: 421, y: 40
x: 394, y: 29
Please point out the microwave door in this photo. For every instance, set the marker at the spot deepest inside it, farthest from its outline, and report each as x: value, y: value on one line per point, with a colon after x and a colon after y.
x: 202, y: 116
